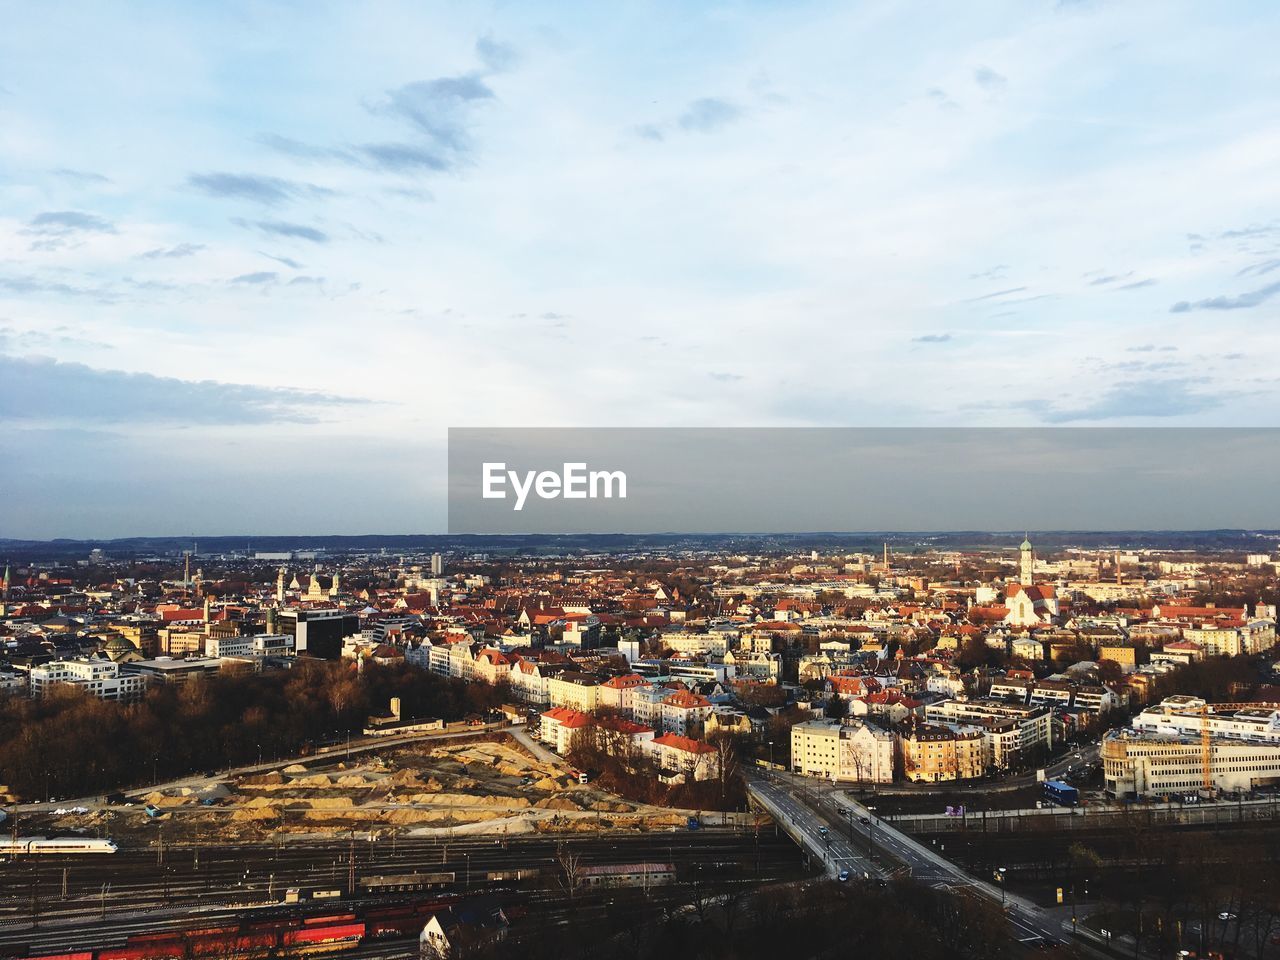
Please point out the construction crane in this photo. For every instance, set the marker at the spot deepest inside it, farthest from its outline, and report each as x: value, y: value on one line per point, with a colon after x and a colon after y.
x: 1206, y: 750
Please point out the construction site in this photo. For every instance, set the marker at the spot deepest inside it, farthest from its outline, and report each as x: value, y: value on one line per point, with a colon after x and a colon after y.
x: 487, y: 785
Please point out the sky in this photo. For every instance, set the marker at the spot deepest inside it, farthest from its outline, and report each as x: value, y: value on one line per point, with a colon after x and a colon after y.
x: 257, y: 258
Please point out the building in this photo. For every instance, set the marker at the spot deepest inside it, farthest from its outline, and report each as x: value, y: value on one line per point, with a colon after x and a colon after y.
x: 684, y: 713
x: 1184, y: 716
x: 681, y: 759
x: 1014, y: 733
x: 1124, y: 654
x: 462, y: 930
x: 171, y: 671
x: 102, y: 678
x: 836, y: 750
x: 696, y: 644
x: 559, y: 725
x: 1143, y: 764
x: 934, y: 752
x: 262, y: 645
x: 578, y: 691
x: 618, y: 693
x: 319, y: 633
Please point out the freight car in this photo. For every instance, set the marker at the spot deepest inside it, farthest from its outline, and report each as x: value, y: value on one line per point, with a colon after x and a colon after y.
x: 251, y: 941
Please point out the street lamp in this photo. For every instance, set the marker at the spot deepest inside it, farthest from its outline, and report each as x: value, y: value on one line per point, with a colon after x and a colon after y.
x: 1002, y: 886
x: 871, y: 833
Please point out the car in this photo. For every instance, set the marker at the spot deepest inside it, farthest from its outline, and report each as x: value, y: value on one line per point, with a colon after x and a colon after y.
x: 822, y: 831
x: 864, y: 820
x: 1226, y: 916
x: 843, y: 876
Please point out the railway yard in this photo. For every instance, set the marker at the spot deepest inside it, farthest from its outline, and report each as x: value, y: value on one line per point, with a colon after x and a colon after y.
x: 341, y: 841
x: 58, y: 904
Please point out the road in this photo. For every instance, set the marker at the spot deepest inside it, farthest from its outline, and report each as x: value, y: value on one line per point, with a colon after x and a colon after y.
x: 835, y: 849
x: 815, y: 804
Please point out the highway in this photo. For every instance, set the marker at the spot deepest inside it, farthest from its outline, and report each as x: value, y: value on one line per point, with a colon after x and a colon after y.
x: 835, y: 850
x: 815, y: 804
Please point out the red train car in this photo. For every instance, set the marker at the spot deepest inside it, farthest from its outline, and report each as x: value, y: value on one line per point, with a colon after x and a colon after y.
x: 322, y: 939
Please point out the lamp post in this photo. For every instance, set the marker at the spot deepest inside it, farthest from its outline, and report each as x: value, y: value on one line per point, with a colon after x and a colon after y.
x: 1002, y: 886
x: 871, y: 833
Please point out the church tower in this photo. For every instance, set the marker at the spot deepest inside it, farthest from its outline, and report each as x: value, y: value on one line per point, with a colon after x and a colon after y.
x: 1026, y: 563
x: 280, y: 586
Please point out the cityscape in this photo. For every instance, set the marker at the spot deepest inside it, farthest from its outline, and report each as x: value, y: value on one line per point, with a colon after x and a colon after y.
x: 731, y: 480
x: 449, y: 752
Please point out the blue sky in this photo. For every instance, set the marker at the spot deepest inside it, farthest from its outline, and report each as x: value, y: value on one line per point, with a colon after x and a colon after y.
x: 256, y: 258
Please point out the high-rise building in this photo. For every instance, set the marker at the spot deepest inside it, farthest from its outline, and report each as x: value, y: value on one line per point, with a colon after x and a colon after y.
x: 319, y: 633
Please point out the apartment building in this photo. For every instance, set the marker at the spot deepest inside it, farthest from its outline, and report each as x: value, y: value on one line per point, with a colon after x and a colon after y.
x: 684, y: 713
x: 681, y: 759
x: 102, y: 678
x: 833, y: 750
x: 1013, y: 732
x: 619, y: 693
x: 936, y: 752
x: 578, y: 691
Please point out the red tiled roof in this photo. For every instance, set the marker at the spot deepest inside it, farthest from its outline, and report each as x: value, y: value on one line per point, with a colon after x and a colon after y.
x: 573, y: 719
x: 687, y: 744
x: 686, y: 700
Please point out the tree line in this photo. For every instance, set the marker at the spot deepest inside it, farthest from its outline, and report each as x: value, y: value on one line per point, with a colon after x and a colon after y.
x: 72, y: 744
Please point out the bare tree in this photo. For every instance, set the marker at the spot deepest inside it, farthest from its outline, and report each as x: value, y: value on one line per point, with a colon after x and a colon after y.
x: 570, y: 869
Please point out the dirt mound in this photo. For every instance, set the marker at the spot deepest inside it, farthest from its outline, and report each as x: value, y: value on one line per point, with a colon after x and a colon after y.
x: 556, y: 803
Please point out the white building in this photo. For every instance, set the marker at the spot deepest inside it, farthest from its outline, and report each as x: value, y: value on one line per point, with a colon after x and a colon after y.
x: 842, y: 751
x: 102, y: 678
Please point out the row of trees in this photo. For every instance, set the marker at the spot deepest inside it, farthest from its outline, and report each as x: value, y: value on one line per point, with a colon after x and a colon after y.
x: 72, y: 744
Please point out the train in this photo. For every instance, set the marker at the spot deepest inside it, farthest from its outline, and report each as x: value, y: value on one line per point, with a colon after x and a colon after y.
x: 401, y: 882
x: 65, y: 846
x: 242, y: 941
x: 272, y: 938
